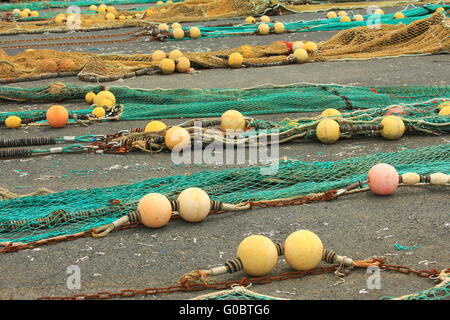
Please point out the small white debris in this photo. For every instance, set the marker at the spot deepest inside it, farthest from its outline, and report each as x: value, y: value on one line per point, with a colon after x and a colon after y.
x: 82, y: 259
x: 363, y: 291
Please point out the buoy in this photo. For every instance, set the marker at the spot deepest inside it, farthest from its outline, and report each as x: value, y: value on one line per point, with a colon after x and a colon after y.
x: 60, y: 18
x: 183, y: 64
x: 23, y: 14
x: 102, y: 8
x: 176, y: 25
x: 250, y: 20
x: 89, y: 97
x: 383, y: 179
x: 48, y: 65
x: 358, y: 17
x: 342, y: 13
x: 105, y: 103
x: 278, y: 27
x: 15, y: 11
x: 235, y: 60
x: 177, y: 138
x: 410, y: 178
x: 30, y: 50
x: 258, y: 255
x: 13, y: 122
x: 440, y: 9
x: 345, y: 19
x: 310, y: 46
x: 331, y: 15
x: 399, y: 15
x: 263, y: 29
x: 297, y: 45
x: 328, y: 131
x: 110, y: 16
x: 301, y: 55
x: 57, y: 116
x: 178, y: 33
x: 169, y: 2
x: 331, y: 112
x: 158, y: 55
x: 163, y: 27
x: 66, y: 64
x: 303, y: 250
x: 99, y: 112
x: 93, y: 7
x: 155, y: 126
x: 264, y: 19
x: 439, y: 179
x: 379, y: 11
x: 122, y: 17
x: 159, y: 3
x: 27, y: 10
x: 445, y: 111
x: 34, y: 14
x: 102, y: 95
x: 175, y: 54
x: 154, y: 210
x: 194, y: 204
x: 232, y: 120
x: 111, y: 9
x: 444, y: 104
x: 167, y: 66
x: 393, y: 127
x: 194, y: 32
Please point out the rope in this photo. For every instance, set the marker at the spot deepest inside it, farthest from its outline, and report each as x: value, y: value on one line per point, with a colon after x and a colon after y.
x: 5, y: 194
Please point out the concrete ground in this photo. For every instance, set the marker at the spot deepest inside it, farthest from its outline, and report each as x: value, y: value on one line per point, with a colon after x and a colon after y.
x: 359, y: 226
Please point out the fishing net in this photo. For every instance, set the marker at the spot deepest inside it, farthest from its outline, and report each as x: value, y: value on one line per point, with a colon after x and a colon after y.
x: 28, y: 219
x: 237, y: 293
x: 426, y: 36
x: 142, y: 104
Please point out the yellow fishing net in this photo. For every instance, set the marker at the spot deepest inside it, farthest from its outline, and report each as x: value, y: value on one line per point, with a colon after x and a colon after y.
x: 427, y: 36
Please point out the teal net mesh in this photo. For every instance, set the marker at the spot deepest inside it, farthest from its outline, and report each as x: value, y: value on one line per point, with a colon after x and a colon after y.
x: 74, y: 211
x: 141, y: 104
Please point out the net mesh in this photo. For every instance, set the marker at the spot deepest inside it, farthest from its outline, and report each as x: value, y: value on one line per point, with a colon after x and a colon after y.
x: 141, y: 104
x: 28, y: 219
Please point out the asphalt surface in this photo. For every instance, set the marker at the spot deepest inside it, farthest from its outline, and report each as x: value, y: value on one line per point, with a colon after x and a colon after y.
x: 359, y: 226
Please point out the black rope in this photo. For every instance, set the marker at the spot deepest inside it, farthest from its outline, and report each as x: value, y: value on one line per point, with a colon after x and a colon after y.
x: 32, y: 141
x: 346, y: 100
x: 15, y: 153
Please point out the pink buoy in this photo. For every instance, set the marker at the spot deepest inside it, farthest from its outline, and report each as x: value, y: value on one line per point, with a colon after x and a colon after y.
x: 395, y: 111
x: 383, y: 179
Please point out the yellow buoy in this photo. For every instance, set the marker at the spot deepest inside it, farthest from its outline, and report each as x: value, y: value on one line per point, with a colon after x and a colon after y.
x: 301, y: 55
x: 303, y: 250
x: 27, y: 10
x: 250, y: 20
x: 99, y: 112
x: 177, y: 138
x: 297, y: 45
x: 105, y: 103
x: 194, y: 32
x: 163, y: 27
x: 444, y: 104
x: 34, y: 14
x: 194, y: 204
x: 379, y: 11
x: 175, y: 54
x: 111, y: 9
x: 169, y: 2
x: 93, y: 7
x: 232, y: 120
x: 345, y: 19
x: 122, y: 17
x: 167, y: 66
x: 110, y: 16
x: 445, y: 111
x: 13, y: 122
x: 342, y: 13
x: 102, y: 95
x: 60, y: 18
x: 440, y: 9
x: 331, y: 15
x: 155, y: 126
x: 23, y: 14
x: 15, y: 11
x: 154, y: 210
x: 331, y: 112
x: 358, y: 17
x: 263, y: 29
x: 176, y: 25
x: 278, y: 27
x: 138, y: 15
x: 89, y: 97
x: 393, y: 127
x: 264, y: 19
x: 178, y: 33
x: 102, y: 9
x: 328, y: 131
x: 258, y: 255
x: 235, y: 60
x: 183, y: 64
x: 310, y: 46
x: 399, y: 15
x: 158, y: 55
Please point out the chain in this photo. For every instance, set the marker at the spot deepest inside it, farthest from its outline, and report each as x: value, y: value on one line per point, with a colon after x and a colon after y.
x: 407, y: 270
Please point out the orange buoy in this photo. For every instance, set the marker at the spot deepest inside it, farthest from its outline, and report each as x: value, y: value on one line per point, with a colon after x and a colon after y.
x: 383, y: 179
x: 57, y: 116
x: 154, y: 210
